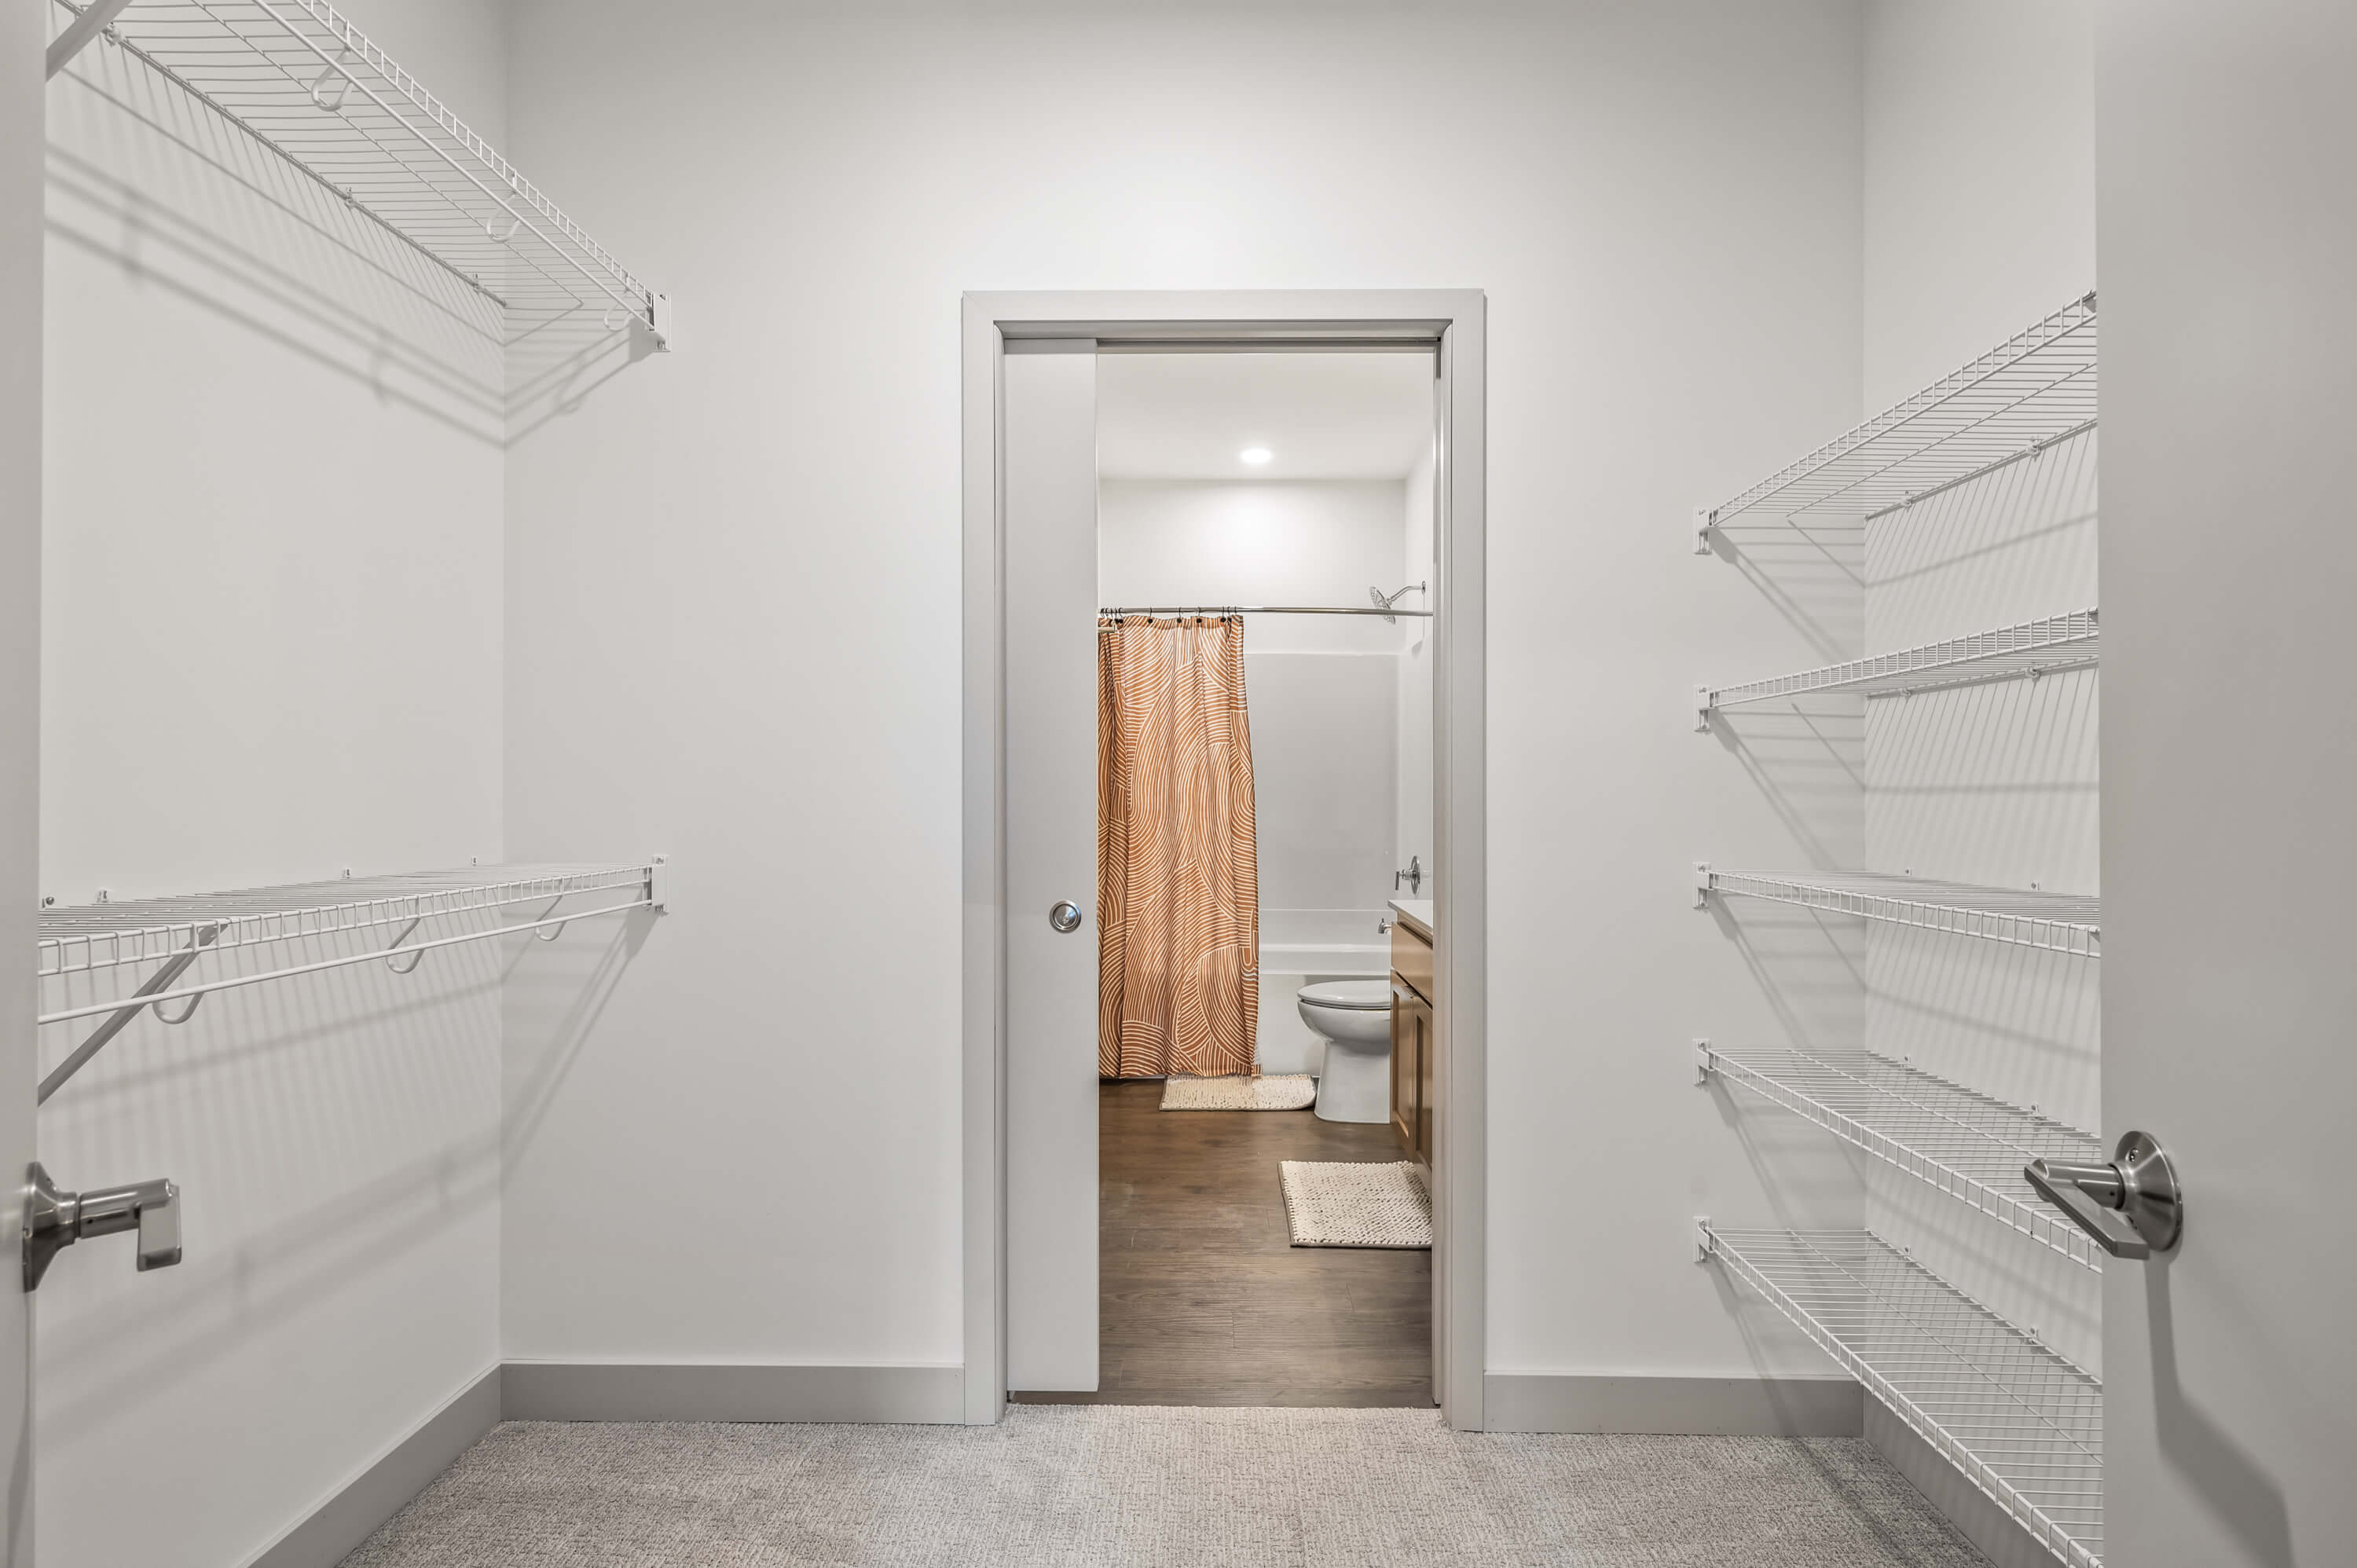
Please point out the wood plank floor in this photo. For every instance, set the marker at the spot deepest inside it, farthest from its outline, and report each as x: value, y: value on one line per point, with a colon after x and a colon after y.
x: 1203, y: 1299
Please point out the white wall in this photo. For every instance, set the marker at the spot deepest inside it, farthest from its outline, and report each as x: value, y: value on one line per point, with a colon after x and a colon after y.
x: 271, y: 645
x: 1979, y: 220
x: 746, y: 641
x: 1980, y: 178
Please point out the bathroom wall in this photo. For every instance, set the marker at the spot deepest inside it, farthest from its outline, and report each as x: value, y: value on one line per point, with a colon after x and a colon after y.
x: 748, y: 650
x: 270, y: 651
x: 1321, y: 691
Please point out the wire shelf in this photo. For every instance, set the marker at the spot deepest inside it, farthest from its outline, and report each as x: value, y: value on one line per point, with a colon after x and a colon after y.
x: 2032, y: 648
x: 2030, y: 392
x: 2053, y: 922
x: 2023, y: 1423
x: 1965, y: 1144
x: 305, y: 82
x: 83, y: 938
x: 92, y: 940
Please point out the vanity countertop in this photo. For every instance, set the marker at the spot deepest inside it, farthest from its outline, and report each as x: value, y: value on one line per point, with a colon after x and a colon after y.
x: 1417, y: 912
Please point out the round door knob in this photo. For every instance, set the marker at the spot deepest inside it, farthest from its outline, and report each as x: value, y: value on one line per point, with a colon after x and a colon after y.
x: 1065, y: 917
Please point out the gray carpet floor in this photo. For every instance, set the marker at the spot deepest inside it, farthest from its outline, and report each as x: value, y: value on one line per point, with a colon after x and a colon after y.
x: 1093, y: 1485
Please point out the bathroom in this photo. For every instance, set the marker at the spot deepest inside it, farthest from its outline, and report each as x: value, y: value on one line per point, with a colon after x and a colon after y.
x: 1300, y: 483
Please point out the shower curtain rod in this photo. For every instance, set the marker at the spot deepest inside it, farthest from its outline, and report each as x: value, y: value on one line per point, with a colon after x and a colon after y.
x: 1256, y: 610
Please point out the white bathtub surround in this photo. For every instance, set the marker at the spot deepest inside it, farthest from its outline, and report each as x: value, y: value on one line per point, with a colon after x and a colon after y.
x: 1354, y: 1018
x: 1341, y: 1203
x: 1282, y: 1091
x: 1309, y: 946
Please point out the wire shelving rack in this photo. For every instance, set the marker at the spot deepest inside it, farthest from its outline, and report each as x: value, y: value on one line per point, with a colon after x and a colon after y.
x: 305, y: 82
x: 2053, y: 922
x: 2024, y: 1425
x: 92, y: 941
x: 2030, y: 647
x: 1965, y: 1144
x: 2034, y: 391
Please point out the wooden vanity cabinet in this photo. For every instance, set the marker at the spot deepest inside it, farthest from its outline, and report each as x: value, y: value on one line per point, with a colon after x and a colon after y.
x: 1415, y: 1065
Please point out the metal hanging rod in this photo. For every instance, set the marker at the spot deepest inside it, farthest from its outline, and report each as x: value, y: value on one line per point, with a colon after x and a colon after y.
x: 1257, y: 610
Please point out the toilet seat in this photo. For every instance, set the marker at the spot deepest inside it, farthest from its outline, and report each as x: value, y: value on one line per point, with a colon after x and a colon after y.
x: 1352, y: 995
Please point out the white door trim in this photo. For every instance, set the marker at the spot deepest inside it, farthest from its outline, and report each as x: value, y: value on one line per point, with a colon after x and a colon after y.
x: 1454, y: 319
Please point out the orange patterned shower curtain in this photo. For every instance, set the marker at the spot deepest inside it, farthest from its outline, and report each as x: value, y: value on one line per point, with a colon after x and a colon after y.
x: 1177, y: 870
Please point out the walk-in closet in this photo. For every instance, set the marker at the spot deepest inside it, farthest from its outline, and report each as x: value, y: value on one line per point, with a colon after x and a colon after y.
x: 1010, y: 782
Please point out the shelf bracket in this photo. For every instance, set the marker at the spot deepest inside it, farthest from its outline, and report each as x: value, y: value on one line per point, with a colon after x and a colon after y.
x: 94, y: 19
x: 659, y: 883
x: 1702, y: 709
x: 1702, y: 885
x: 1705, y: 1061
x: 659, y: 321
x: 1701, y: 1238
x: 1702, y: 531
x: 116, y: 1021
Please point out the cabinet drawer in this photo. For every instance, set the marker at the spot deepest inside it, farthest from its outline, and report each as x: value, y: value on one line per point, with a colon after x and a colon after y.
x: 1412, y: 959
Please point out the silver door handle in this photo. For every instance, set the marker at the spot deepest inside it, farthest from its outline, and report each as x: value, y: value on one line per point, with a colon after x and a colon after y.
x: 2133, y: 1207
x: 1065, y: 917
x: 54, y: 1220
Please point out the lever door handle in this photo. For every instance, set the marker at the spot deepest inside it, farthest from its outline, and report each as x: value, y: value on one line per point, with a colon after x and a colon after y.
x: 54, y: 1220
x: 2133, y: 1207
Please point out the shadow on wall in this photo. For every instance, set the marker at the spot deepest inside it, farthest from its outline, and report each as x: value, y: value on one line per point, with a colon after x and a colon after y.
x: 145, y: 175
x: 325, y: 1129
x: 2202, y: 1456
x: 1808, y: 964
x: 1814, y: 574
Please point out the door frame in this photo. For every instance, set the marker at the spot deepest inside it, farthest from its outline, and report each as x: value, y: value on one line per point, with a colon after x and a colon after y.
x: 1453, y: 321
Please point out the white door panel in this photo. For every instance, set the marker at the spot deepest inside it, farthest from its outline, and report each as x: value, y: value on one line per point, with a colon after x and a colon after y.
x: 23, y: 41
x: 2226, y: 218
x: 1050, y: 477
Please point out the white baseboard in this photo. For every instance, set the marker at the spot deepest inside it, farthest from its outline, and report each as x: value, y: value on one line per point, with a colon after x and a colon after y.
x: 384, y: 1487
x: 596, y: 1390
x: 1752, y: 1407
x: 2000, y: 1537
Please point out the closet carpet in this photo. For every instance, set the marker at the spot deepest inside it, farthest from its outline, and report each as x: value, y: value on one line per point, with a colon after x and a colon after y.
x: 1111, y: 1487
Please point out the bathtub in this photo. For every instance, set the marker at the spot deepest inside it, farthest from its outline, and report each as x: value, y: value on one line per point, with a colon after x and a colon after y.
x: 1302, y: 947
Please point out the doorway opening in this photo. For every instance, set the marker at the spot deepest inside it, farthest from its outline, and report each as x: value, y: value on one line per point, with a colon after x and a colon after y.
x: 1225, y: 729
x: 1265, y: 556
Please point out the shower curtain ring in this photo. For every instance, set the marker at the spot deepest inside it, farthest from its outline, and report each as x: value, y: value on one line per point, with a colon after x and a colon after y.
x: 552, y: 933
x: 515, y: 220
x: 611, y: 323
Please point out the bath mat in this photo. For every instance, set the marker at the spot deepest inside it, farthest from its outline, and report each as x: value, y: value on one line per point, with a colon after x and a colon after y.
x: 1332, y: 1204
x: 1278, y: 1092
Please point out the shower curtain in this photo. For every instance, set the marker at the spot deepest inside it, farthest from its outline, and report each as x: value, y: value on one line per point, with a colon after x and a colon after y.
x: 1177, y: 870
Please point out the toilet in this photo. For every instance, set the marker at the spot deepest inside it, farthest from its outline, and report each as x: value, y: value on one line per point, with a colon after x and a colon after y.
x: 1354, y: 1018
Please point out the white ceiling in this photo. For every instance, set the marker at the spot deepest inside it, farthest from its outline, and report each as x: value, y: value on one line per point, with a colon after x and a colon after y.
x: 1321, y: 416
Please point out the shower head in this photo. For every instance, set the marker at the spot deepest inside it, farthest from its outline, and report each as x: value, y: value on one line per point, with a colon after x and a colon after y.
x: 1384, y: 601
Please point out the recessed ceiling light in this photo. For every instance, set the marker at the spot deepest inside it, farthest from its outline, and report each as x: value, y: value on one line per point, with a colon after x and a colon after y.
x: 1255, y: 455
